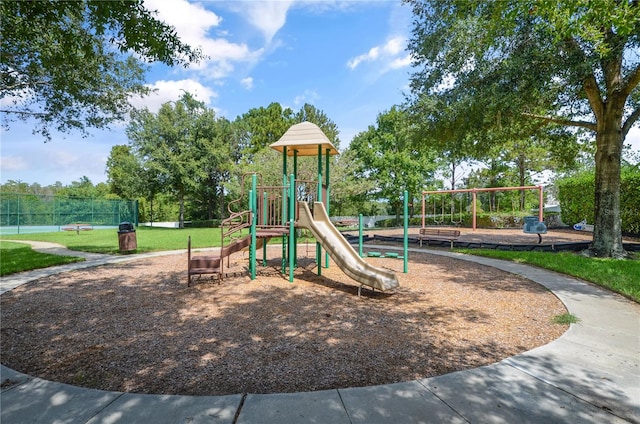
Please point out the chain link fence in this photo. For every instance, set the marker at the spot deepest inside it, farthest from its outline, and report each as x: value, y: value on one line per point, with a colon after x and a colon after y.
x: 30, y: 212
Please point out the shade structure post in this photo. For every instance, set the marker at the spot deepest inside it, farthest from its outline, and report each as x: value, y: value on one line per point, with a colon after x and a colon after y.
x: 292, y: 230
x: 318, y: 245
x: 285, y: 195
x: 254, y: 218
x: 326, y: 254
x: 295, y: 199
x: 405, y: 243
x: 264, y: 214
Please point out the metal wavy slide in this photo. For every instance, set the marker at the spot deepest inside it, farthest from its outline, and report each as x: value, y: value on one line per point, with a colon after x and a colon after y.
x: 342, y: 252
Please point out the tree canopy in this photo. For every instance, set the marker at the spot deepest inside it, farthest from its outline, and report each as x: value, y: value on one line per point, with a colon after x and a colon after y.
x: 386, y: 156
x: 482, y: 67
x: 178, y: 147
x: 73, y: 65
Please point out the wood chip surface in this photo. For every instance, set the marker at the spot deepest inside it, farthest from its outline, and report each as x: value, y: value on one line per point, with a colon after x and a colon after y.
x: 137, y: 327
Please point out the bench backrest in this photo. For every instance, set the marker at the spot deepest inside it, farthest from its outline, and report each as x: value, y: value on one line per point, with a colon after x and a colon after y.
x: 439, y: 232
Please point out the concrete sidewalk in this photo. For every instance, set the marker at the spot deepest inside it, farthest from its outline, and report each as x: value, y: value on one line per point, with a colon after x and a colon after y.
x: 589, y: 375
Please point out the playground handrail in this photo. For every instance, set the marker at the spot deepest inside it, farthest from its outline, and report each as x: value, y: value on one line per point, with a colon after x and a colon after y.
x: 231, y: 205
x: 235, y: 223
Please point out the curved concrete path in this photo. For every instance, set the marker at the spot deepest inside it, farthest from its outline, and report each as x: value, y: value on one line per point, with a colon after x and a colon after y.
x: 589, y: 375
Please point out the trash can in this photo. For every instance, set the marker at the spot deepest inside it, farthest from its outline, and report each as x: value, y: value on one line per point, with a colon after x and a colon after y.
x: 127, y: 237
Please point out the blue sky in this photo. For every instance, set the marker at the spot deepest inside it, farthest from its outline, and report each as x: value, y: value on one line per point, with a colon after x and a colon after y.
x: 347, y: 58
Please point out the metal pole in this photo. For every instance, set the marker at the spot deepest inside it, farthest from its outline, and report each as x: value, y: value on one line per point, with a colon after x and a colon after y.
x: 541, y: 207
x: 318, y: 246
x: 254, y: 218
x: 473, y: 207
x: 406, y: 232
x: 265, y: 207
x: 424, y: 211
x: 326, y: 254
x: 295, y: 199
x: 292, y: 229
x: 285, y: 194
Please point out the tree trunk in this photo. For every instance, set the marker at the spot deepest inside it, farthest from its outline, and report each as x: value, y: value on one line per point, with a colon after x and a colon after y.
x: 607, y: 234
x: 222, y: 210
x: 522, y: 175
x: 181, y: 217
x: 151, y: 211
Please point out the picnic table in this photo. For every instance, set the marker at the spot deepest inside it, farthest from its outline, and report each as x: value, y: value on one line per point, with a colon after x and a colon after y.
x: 77, y: 227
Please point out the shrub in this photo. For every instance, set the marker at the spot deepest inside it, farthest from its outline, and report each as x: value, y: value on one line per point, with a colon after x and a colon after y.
x: 577, y: 199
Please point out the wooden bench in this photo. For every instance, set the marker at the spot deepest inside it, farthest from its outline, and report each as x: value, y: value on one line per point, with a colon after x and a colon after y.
x: 347, y: 223
x: 438, y: 234
x: 77, y: 227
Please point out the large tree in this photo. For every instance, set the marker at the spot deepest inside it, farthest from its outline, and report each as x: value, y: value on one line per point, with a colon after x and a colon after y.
x: 124, y: 173
x: 574, y: 63
x: 73, y: 65
x: 174, y: 146
x: 387, y: 157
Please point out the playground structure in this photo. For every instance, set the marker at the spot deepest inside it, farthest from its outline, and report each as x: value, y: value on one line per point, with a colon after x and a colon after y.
x: 530, y: 225
x: 278, y: 211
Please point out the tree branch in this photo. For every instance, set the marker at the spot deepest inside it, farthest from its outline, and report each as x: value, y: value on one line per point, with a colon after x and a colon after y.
x: 24, y: 113
x: 589, y: 82
x: 564, y: 121
x: 630, y: 121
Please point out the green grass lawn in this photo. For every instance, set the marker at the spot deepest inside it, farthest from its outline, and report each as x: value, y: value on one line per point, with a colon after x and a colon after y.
x: 620, y: 276
x: 148, y: 239
x: 18, y: 257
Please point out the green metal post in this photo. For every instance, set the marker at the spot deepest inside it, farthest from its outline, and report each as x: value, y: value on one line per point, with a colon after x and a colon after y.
x: 18, y: 214
x: 254, y: 218
x: 292, y: 229
x: 264, y: 220
x: 295, y: 198
x: 285, y: 194
x: 406, y: 232
x: 318, y: 246
x: 326, y: 254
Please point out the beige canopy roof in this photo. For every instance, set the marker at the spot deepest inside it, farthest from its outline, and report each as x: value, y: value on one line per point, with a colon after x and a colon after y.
x: 304, y: 138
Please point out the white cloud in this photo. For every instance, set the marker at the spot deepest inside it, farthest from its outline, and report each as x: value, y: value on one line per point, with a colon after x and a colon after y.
x: 394, y: 46
x: 267, y: 16
x: 401, y: 62
x: 12, y: 163
x: 191, y: 20
x: 386, y: 53
x: 367, y: 57
x: 247, y: 83
x: 193, y: 24
x: 167, y: 91
x: 309, y: 96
